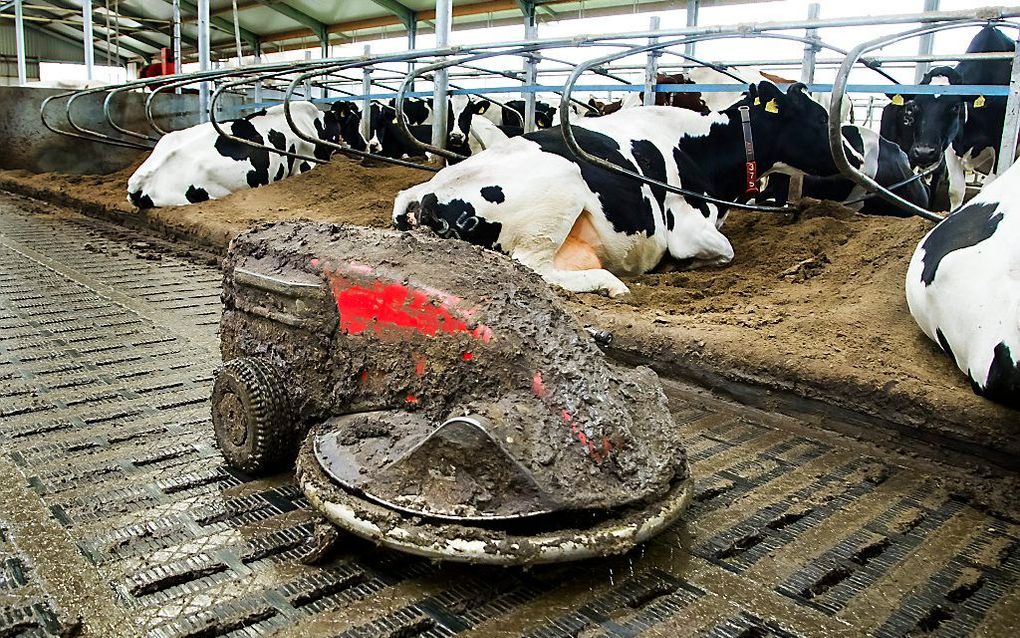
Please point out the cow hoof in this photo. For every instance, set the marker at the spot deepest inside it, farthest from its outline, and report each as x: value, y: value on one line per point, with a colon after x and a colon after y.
x: 618, y: 293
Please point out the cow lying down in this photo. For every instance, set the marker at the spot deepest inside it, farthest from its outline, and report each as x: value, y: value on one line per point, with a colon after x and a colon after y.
x: 580, y: 226
x: 197, y: 163
x: 876, y: 157
x: 963, y: 288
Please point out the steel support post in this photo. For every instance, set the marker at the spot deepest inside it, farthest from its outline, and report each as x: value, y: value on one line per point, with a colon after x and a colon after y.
x: 86, y: 23
x: 257, y: 92
x: 203, y: 58
x: 530, y: 71
x: 412, y: 43
x: 652, y: 65
x: 175, y: 40
x: 308, y: 81
x: 366, y: 102
x: 807, y: 72
x: 441, y: 81
x: 925, y: 46
x: 1011, y: 124
x: 693, y: 6
x: 19, y: 42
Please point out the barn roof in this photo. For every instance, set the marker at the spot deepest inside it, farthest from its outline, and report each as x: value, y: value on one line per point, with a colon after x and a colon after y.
x: 139, y: 28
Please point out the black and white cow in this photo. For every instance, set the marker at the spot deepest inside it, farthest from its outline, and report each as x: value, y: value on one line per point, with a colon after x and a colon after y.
x: 966, y: 130
x: 511, y: 114
x: 579, y: 225
x: 197, y: 163
x: 460, y: 110
x: 471, y: 131
x: 876, y: 157
x: 963, y: 288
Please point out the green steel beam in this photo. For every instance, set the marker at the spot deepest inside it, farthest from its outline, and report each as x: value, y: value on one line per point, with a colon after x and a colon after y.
x: 318, y: 28
x: 224, y: 25
x: 99, y: 20
x: 60, y: 35
x: 405, y: 13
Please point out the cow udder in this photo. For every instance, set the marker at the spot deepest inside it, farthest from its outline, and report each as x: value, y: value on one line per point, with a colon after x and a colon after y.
x: 580, y: 250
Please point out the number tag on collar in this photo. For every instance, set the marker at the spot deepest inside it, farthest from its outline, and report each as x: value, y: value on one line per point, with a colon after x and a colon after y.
x: 771, y: 106
x: 979, y: 102
x: 897, y: 99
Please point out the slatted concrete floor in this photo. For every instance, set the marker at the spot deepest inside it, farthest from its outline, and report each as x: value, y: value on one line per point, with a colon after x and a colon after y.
x: 117, y: 513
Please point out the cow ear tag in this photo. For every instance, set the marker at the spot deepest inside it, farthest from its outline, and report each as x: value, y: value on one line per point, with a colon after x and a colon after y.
x: 483, y: 109
x: 897, y: 99
x: 979, y: 102
x: 757, y: 101
x: 771, y: 106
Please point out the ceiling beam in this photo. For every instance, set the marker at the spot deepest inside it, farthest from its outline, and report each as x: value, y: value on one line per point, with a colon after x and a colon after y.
x: 318, y: 27
x: 78, y: 42
x: 404, y: 13
x: 250, y: 37
x: 99, y: 19
x: 392, y: 20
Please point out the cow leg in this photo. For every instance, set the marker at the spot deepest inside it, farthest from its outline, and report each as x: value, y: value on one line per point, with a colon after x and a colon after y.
x: 592, y: 280
x: 957, y: 179
x: 574, y: 264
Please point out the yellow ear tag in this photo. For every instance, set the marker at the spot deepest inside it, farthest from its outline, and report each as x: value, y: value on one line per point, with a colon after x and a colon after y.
x: 897, y: 99
x: 482, y: 110
x: 979, y: 102
x: 757, y: 101
x: 394, y: 120
x: 771, y: 106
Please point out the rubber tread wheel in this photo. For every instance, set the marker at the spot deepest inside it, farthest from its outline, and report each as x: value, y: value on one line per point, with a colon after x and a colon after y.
x: 251, y: 417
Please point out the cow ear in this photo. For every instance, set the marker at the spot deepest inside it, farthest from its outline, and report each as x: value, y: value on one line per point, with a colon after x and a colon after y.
x: 482, y: 106
x: 769, y: 98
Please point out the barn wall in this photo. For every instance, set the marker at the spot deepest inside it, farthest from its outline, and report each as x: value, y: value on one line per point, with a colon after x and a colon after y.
x: 39, y: 46
x: 25, y: 143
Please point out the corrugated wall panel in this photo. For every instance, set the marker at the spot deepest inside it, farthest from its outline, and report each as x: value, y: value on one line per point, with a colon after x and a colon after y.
x: 39, y: 45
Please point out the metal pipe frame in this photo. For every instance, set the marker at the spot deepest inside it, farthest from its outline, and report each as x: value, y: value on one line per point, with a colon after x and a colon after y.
x: 444, y: 22
x: 175, y: 38
x: 19, y: 41
x: 1011, y: 120
x: 86, y: 25
x: 807, y: 72
x: 839, y: 91
x: 203, y: 58
x: 651, y: 64
x: 575, y: 148
x: 409, y: 81
x: 322, y: 67
x: 742, y: 30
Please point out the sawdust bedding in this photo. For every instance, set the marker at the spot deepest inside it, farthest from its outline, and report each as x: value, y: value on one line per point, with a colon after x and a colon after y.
x: 816, y: 296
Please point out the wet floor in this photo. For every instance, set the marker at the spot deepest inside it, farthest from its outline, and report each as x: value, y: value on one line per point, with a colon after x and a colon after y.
x: 117, y: 516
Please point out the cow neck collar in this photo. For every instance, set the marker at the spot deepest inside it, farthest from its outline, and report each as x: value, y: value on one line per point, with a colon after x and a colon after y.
x: 750, y: 165
x: 719, y: 156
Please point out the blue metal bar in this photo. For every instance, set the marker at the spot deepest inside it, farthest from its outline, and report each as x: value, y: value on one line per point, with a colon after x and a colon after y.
x: 988, y: 90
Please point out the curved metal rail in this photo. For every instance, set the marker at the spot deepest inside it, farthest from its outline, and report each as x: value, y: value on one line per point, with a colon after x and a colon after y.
x: 839, y: 91
x: 575, y: 148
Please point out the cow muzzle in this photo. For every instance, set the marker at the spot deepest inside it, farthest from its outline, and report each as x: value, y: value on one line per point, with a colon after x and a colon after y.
x: 409, y: 219
x: 924, y: 156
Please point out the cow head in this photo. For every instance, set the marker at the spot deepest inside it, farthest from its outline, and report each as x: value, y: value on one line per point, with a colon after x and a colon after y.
x: 790, y: 128
x: 462, y: 109
x: 930, y: 123
x: 347, y: 123
x: 544, y: 117
x: 381, y: 118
